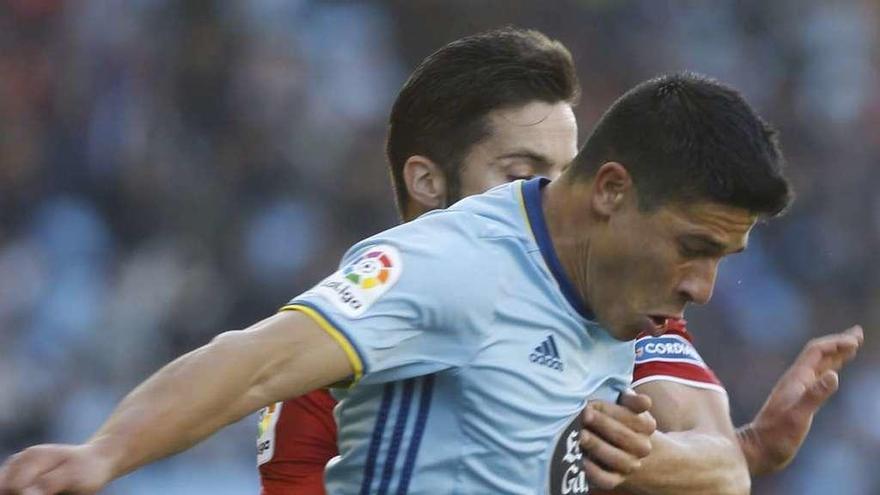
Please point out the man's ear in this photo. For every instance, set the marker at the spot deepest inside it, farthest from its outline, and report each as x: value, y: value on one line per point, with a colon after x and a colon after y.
x: 612, y: 188
x: 425, y: 183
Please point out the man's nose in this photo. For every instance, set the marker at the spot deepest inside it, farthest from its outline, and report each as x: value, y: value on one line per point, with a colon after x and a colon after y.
x: 699, y: 281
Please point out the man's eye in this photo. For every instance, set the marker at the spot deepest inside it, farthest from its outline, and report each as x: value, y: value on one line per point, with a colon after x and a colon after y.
x: 689, y: 252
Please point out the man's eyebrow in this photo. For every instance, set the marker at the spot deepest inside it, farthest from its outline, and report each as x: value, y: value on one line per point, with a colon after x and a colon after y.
x: 712, y: 244
x: 531, y: 155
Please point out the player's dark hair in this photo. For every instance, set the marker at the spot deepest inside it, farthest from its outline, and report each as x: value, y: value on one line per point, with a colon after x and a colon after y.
x: 441, y: 110
x: 685, y: 137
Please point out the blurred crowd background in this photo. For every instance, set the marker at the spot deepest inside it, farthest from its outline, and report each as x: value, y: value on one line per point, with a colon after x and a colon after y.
x: 170, y: 170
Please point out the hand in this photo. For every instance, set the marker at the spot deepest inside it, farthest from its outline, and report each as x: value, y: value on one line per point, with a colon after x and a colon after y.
x: 52, y: 469
x: 615, y: 438
x: 777, y: 432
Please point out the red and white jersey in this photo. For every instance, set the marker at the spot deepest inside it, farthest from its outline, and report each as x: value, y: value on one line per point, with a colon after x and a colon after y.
x: 296, y: 439
x: 672, y: 357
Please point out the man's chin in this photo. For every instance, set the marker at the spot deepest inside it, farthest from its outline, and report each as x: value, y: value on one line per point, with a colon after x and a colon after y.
x: 625, y: 332
x: 643, y: 326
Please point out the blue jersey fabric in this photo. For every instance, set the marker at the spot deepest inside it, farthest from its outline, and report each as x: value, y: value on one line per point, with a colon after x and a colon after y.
x: 473, y: 354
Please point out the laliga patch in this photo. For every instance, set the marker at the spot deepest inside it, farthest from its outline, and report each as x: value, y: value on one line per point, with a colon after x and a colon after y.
x: 670, y: 348
x: 354, y: 288
x: 266, y: 432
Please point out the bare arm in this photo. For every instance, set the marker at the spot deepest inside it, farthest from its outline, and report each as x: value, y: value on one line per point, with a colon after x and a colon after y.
x: 283, y: 356
x: 694, y: 450
x: 702, y: 458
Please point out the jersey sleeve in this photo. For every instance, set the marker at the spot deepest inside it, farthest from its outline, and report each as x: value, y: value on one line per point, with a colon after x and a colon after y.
x: 672, y: 357
x: 408, y: 302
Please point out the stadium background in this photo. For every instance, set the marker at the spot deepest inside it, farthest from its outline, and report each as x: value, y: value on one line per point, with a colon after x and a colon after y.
x: 169, y: 170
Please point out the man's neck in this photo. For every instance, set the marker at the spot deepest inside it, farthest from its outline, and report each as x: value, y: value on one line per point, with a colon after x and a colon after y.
x: 413, y: 210
x: 566, y: 212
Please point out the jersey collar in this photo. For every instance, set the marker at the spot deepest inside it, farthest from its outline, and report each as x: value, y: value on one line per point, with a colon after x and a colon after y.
x: 532, y: 199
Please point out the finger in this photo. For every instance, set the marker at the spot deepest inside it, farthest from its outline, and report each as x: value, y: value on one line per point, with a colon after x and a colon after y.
x: 640, y: 423
x: 844, y: 352
x: 830, y: 351
x: 21, y: 469
x: 607, y: 455
x: 831, y: 344
x: 617, y: 434
x: 851, y: 339
x: 859, y: 334
x: 597, y: 477
x: 856, y: 331
x: 820, y: 391
x: 637, y: 403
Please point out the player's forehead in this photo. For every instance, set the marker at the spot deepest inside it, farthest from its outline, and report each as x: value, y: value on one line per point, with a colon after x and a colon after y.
x: 544, y: 132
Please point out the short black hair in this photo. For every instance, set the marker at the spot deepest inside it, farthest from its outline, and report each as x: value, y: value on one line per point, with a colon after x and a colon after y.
x: 441, y: 110
x: 685, y: 137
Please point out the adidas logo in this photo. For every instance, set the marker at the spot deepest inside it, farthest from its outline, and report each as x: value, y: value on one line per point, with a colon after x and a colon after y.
x: 547, y: 354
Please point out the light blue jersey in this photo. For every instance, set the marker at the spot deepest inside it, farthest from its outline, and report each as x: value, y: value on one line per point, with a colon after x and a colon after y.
x: 473, y: 355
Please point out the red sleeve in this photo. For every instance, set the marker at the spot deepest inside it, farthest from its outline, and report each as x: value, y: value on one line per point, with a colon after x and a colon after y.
x: 297, y: 438
x: 672, y: 357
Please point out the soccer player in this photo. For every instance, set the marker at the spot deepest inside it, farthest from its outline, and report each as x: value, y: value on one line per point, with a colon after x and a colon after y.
x: 514, y: 90
x: 433, y: 321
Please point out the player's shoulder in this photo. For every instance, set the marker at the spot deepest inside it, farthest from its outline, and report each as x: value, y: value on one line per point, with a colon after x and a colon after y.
x: 449, y: 238
x: 673, y: 357
x: 460, y: 230
x: 436, y: 258
x: 674, y: 344
x: 498, y: 211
